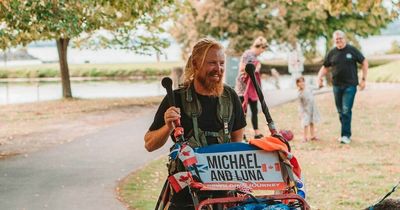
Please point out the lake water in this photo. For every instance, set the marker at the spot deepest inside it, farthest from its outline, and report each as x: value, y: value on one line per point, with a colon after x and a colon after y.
x: 24, y: 92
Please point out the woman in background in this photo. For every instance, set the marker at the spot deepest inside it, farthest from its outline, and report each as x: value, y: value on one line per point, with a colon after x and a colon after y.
x: 244, y: 87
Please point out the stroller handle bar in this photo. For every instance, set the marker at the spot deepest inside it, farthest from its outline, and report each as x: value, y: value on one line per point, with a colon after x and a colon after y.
x: 231, y: 200
x: 166, y: 82
x: 250, y: 69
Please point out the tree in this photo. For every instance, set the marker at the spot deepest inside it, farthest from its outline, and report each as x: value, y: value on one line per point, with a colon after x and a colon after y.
x: 237, y: 21
x: 22, y: 22
x: 356, y: 18
x: 395, y: 48
x: 284, y: 21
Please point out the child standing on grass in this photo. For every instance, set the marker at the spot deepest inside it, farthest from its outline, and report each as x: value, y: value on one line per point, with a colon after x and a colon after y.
x: 308, y: 110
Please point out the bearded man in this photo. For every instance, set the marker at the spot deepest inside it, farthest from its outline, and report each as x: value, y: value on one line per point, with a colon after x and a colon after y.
x: 210, y: 112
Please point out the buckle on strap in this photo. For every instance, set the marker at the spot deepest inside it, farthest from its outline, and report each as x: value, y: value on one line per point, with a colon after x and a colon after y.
x: 226, y: 127
x: 211, y: 134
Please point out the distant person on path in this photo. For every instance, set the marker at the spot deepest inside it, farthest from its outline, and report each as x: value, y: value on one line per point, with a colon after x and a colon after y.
x: 176, y: 76
x: 275, y: 75
x: 209, y: 111
x: 244, y: 87
x: 309, y: 113
x: 343, y: 59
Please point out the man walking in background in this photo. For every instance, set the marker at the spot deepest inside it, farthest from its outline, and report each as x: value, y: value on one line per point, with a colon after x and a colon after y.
x: 343, y: 59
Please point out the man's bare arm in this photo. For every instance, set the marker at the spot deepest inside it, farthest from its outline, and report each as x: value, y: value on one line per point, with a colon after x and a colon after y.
x: 322, y: 72
x: 237, y: 136
x: 364, y: 70
x: 157, y: 138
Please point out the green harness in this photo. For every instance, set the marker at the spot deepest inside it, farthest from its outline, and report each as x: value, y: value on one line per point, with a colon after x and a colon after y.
x: 192, y: 108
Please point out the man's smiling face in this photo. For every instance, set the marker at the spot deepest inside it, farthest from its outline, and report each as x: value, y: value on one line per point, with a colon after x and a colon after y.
x: 210, y: 73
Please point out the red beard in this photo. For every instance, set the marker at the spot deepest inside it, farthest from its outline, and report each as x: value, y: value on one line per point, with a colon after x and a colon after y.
x: 214, y: 88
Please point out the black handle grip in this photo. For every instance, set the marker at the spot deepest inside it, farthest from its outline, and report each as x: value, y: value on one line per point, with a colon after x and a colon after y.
x: 250, y: 69
x: 166, y: 82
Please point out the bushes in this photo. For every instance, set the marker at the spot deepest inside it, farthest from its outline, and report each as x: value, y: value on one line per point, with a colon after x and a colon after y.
x: 127, y: 71
x: 24, y: 73
x: 313, y: 68
x: 385, y: 73
x: 47, y: 73
x: 3, y: 74
x: 395, y: 48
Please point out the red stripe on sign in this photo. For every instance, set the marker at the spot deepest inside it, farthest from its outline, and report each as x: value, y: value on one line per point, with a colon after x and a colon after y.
x: 264, y: 167
x: 252, y: 185
x: 277, y: 167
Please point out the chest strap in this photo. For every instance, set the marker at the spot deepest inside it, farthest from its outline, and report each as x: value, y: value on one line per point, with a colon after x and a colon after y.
x: 192, y: 108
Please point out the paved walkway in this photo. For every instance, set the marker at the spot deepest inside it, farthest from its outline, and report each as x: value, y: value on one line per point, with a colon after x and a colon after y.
x: 83, y: 174
x: 80, y: 175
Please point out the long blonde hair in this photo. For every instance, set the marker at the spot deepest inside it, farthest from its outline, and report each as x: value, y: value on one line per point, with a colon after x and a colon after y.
x: 259, y: 41
x: 199, y: 51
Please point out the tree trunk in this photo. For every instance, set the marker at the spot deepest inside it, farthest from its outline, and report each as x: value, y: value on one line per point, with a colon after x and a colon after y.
x: 328, y: 44
x: 62, y: 46
x: 5, y: 58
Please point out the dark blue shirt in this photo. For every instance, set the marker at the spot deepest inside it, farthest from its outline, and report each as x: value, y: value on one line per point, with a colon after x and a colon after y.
x: 344, y: 65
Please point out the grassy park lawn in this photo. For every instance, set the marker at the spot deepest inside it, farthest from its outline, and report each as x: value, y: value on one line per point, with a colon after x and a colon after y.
x: 337, y: 176
x: 385, y: 73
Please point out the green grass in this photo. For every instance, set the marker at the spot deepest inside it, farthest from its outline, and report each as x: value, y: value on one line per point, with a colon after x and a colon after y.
x: 374, y: 62
x: 385, y: 73
x: 313, y: 68
x: 318, y: 62
x: 338, y: 177
x: 91, y: 70
x: 141, y: 190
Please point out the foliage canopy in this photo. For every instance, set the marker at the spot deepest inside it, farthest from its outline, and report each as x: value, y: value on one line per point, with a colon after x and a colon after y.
x: 22, y: 22
x: 284, y: 21
x: 25, y: 21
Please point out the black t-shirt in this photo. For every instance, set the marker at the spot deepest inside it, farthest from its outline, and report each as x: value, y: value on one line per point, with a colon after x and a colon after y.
x: 208, y: 119
x: 344, y: 65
